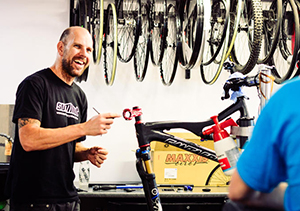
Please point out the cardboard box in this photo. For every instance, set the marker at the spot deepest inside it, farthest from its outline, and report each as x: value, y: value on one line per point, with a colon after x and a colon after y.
x: 173, y: 165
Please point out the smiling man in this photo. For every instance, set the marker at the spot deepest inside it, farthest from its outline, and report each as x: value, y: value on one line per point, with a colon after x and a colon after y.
x: 50, y: 116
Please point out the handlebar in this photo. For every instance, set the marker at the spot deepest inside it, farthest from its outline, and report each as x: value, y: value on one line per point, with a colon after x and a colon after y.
x: 235, y: 84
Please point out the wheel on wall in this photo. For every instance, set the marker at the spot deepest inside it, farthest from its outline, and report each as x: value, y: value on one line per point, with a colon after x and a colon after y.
x: 158, y: 16
x: 129, y: 26
x: 110, y: 44
x: 285, y: 56
x: 191, y: 33
x: 78, y: 14
x: 247, y: 43
x: 272, y: 16
x: 216, y: 42
x: 97, y: 25
x: 141, y: 55
x: 169, y: 63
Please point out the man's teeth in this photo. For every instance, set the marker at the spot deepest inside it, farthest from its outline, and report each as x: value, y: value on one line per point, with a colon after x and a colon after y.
x: 79, y: 62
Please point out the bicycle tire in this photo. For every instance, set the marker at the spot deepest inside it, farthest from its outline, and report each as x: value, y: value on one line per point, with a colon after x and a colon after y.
x: 211, y: 67
x: 271, y: 30
x: 192, y: 33
x: 169, y: 63
x: 219, y: 22
x: 110, y: 44
x: 235, y: 16
x: 79, y: 18
x: 158, y: 18
x: 97, y: 30
x: 285, y: 57
x: 251, y: 13
x: 217, y: 177
x: 129, y: 26
x: 141, y: 55
x: 78, y: 14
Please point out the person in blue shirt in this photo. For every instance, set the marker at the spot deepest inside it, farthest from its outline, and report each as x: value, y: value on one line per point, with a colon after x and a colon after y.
x: 267, y: 173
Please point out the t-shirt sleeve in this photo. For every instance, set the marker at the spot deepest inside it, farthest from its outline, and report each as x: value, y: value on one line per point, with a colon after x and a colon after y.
x: 83, y: 113
x: 29, y: 101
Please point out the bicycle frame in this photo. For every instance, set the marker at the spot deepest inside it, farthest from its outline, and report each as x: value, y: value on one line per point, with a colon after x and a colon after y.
x: 154, y: 131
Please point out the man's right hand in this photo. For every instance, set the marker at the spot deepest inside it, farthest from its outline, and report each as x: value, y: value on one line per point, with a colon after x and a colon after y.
x: 100, y: 123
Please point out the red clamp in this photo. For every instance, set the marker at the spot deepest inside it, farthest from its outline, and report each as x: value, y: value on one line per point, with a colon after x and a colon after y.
x: 129, y: 114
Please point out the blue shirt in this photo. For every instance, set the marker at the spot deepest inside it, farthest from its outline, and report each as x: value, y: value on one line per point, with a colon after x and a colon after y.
x: 273, y: 153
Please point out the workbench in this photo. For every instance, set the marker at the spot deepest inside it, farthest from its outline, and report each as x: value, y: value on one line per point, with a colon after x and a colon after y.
x: 171, y: 199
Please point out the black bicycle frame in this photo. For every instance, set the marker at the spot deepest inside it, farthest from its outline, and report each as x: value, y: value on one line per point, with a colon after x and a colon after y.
x: 154, y: 131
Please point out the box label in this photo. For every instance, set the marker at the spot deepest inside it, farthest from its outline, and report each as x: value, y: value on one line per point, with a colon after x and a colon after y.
x: 170, y: 173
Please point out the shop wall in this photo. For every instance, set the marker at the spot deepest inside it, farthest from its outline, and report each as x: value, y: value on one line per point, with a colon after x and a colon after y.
x: 30, y: 30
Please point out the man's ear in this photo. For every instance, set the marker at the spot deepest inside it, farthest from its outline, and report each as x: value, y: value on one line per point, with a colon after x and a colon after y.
x: 60, y: 48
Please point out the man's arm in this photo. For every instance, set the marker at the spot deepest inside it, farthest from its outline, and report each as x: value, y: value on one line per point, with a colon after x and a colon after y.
x: 34, y: 137
x: 239, y: 191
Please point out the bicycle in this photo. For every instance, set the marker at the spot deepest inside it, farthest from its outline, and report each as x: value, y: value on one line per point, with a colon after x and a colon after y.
x: 155, y: 131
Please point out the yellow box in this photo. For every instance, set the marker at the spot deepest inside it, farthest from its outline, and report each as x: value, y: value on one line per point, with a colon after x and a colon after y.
x: 173, y: 165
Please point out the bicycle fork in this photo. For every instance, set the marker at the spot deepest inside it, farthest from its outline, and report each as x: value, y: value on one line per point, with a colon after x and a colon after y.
x: 145, y: 172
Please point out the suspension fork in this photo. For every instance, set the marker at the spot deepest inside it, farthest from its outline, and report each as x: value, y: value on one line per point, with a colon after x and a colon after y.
x: 147, y: 176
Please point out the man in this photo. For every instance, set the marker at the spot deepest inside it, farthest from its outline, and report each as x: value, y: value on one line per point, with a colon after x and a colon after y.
x: 268, y: 170
x: 50, y: 116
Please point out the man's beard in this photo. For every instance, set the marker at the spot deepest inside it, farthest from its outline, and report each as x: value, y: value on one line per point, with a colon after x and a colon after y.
x: 66, y: 66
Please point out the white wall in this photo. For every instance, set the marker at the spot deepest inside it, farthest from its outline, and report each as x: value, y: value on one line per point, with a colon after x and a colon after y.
x: 29, y: 34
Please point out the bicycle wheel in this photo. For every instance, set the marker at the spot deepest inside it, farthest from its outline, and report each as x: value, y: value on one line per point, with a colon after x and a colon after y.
x: 247, y: 44
x: 169, y: 63
x: 158, y: 16
x: 79, y: 18
x: 141, y: 56
x: 215, y: 46
x: 271, y: 29
x: 129, y: 26
x: 217, y: 177
x: 285, y: 56
x: 110, y: 44
x: 97, y: 29
x: 219, y: 19
x: 192, y: 33
x: 78, y: 14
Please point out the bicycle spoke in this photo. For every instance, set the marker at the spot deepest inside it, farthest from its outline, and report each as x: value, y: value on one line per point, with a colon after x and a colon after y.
x: 110, y: 45
x: 129, y: 12
x: 143, y: 46
x: 169, y: 63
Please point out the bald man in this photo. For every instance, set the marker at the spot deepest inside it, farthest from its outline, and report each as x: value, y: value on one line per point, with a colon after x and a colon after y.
x: 50, y: 116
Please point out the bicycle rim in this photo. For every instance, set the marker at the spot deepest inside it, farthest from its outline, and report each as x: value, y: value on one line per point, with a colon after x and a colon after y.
x: 129, y: 26
x: 217, y: 177
x: 211, y: 72
x: 247, y: 44
x: 158, y: 31
x: 235, y: 16
x: 110, y: 44
x: 141, y: 56
x: 271, y: 29
x: 169, y: 62
x: 192, y: 32
x: 217, y: 32
x: 100, y: 34
x: 285, y: 56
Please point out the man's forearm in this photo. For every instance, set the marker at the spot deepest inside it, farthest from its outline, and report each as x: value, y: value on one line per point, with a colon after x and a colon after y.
x: 273, y: 200
x: 33, y: 137
x: 81, y: 152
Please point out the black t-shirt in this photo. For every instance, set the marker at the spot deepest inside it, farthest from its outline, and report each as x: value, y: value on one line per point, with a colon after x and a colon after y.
x: 46, y: 175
